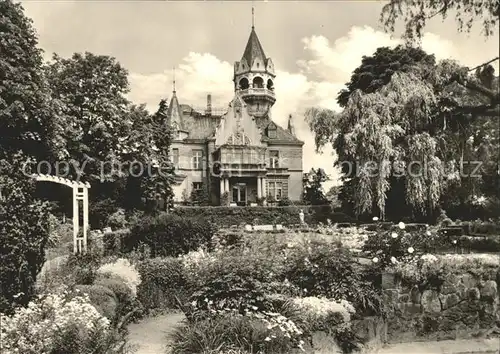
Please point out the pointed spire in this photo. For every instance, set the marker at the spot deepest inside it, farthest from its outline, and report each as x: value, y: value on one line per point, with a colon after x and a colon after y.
x: 174, y: 109
x: 291, y: 128
x: 253, y: 49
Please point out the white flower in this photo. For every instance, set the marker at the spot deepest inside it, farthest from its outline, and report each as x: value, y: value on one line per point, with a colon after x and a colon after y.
x: 267, y: 339
x: 410, y: 250
x: 428, y: 233
x: 375, y: 260
x: 375, y: 218
x: 454, y: 242
x: 401, y: 225
x: 393, y: 260
x: 394, y: 235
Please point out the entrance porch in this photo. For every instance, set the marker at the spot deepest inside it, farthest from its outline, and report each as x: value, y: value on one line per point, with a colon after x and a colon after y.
x: 243, y: 190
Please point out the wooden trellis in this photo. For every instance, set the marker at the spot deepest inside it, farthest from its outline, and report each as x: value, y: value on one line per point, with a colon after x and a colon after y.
x: 80, y: 194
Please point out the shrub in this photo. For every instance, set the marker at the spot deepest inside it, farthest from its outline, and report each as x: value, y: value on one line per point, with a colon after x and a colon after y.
x: 162, y: 280
x: 227, y: 216
x: 99, y: 211
x: 59, y: 324
x: 103, y: 299
x: 84, y: 267
x: 333, y: 273
x: 230, y: 332
x: 169, y: 235
x: 113, y: 241
x: 24, y: 232
x: 117, y: 220
x: 122, y: 269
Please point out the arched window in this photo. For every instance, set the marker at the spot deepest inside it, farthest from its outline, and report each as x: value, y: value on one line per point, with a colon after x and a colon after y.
x: 244, y: 84
x: 258, y: 82
x: 270, y: 85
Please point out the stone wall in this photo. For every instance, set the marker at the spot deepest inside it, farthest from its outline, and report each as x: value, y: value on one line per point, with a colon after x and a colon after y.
x: 463, y: 306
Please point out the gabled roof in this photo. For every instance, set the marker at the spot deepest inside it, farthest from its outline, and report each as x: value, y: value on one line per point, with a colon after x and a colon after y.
x: 253, y: 49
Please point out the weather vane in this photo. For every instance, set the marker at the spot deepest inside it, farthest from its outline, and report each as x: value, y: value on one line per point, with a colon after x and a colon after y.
x: 174, y: 78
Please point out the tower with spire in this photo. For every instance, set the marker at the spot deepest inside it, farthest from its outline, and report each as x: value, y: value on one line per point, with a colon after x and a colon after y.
x: 254, y: 77
x: 174, y: 115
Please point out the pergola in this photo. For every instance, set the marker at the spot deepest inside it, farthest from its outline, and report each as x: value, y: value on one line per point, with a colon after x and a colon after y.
x: 80, y: 196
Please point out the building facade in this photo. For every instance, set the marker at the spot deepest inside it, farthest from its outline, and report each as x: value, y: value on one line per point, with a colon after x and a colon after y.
x: 238, y: 155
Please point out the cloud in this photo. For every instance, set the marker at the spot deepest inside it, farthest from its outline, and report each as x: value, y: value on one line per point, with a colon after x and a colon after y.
x: 321, y: 74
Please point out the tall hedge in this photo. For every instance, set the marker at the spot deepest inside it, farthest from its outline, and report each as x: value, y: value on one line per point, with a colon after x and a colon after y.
x: 286, y: 215
x: 169, y: 235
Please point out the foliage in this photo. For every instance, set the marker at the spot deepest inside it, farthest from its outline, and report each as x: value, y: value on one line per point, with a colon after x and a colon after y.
x: 229, y: 332
x: 333, y: 273
x: 415, y: 15
x: 122, y: 269
x: 375, y: 71
x: 99, y: 211
x: 169, y: 235
x: 113, y: 241
x: 388, y: 247
x: 24, y: 231
x: 227, y: 216
x: 199, y: 197
x: 28, y: 121
x: 118, y: 147
x: 163, y: 279
x: 407, y: 132
x: 84, y: 267
x: 313, y: 187
x: 117, y: 220
x: 59, y: 324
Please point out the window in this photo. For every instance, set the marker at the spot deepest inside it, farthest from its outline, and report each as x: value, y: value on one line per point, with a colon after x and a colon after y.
x: 275, y: 190
x: 175, y: 157
x: 271, y: 132
x: 274, y: 157
x: 197, y: 186
x: 197, y: 157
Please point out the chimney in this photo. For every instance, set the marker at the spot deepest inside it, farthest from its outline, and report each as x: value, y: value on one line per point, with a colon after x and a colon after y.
x: 209, y: 105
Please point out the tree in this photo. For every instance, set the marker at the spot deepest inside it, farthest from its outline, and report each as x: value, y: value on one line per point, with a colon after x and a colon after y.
x: 416, y: 13
x: 313, y: 187
x: 376, y: 70
x: 28, y: 131
x: 27, y: 119
x: 411, y: 120
x: 90, y: 92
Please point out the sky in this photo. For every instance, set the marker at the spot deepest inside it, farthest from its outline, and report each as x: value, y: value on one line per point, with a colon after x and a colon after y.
x: 315, y: 46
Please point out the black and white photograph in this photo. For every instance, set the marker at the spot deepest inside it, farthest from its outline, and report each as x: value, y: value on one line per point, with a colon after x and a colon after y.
x: 249, y: 177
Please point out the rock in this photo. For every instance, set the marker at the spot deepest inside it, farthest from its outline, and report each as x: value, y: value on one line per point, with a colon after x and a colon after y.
x: 489, y: 291
x: 410, y: 308
x: 430, y: 301
x: 404, y: 298
x: 415, y: 295
x: 449, y: 300
x: 388, y: 281
x: 248, y: 227
x: 450, y: 285
x: 322, y: 342
x: 473, y: 294
x: 469, y: 280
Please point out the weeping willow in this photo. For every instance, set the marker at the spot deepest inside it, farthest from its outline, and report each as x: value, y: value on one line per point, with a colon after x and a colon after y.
x: 386, y: 130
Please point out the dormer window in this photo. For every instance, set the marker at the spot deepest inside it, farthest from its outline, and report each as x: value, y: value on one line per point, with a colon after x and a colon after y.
x: 271, y: 131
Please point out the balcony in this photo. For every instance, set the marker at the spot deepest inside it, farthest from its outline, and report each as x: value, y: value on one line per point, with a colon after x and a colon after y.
x: 251, y: 91
x: 236, y: 158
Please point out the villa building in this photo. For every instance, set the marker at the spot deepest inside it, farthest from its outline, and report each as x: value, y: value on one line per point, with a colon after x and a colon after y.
x: 240, y: 151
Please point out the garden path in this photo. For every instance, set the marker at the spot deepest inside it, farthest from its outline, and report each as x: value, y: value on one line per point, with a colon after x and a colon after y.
x: 149, y: 336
